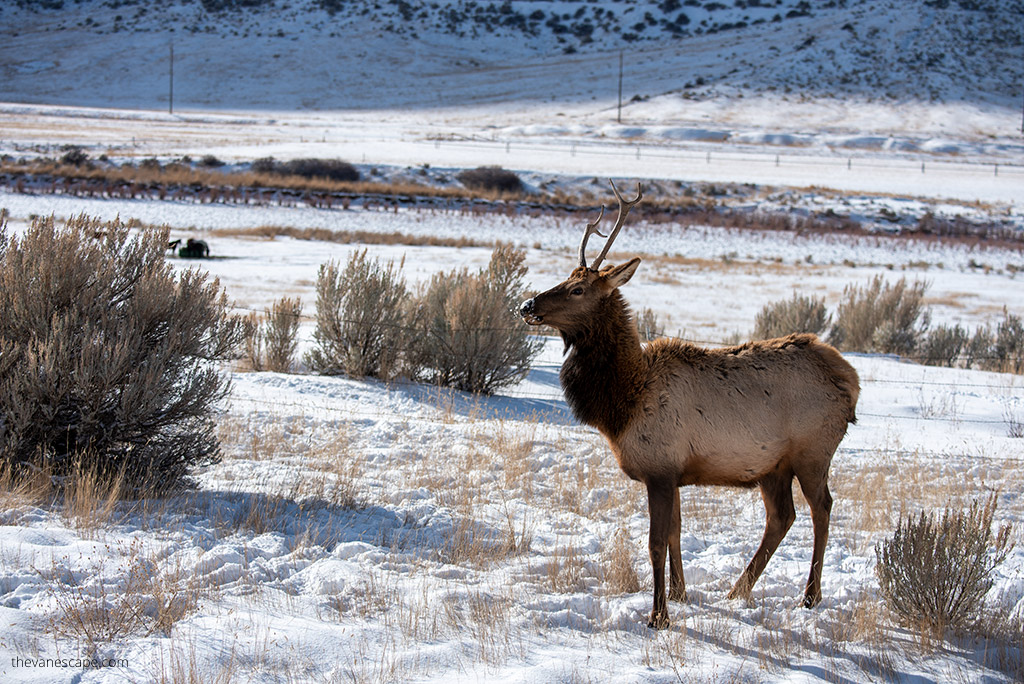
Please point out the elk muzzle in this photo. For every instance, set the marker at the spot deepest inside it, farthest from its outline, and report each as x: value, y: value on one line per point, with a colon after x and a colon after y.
x: 526, y: 310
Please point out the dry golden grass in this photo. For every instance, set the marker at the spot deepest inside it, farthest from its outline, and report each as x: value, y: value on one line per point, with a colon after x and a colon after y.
x: 617, y: 560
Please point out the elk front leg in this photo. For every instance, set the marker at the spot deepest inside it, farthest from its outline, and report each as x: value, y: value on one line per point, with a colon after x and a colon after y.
x: 777, y: 494
x: 659, y: 504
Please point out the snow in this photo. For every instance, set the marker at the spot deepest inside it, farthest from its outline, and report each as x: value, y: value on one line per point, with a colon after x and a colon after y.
x: 365, y: 531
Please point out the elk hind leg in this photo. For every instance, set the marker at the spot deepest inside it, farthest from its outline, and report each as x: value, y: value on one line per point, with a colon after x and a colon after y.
x: 777, y: 494
x: 659, y: 503
x: 677, y: 585
x: 819, y: 499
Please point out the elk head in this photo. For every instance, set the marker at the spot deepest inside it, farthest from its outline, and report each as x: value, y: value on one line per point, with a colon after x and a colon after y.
x: 573, y: 303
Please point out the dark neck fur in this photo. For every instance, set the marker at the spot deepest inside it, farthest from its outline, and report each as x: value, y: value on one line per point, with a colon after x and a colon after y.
x: 603, y: 373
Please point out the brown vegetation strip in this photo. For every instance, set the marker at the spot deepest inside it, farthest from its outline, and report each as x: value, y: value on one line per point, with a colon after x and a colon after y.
x: 361, y: 237
x: 182, y: 182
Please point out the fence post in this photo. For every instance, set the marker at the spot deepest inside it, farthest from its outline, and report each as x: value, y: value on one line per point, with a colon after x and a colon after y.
x: 709, y: 157
x: 922, y: 167
x: 849, y: 163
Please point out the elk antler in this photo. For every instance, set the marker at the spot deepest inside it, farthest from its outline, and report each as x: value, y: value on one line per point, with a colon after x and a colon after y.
x: 624, y: 207
x: 591, y: 229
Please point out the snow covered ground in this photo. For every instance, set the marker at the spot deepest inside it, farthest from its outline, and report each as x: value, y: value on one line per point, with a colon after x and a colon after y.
x: 364, y: 532
x: 357, y: 531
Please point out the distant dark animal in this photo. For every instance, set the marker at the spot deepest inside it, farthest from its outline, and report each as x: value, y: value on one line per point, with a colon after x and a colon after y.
x: 173, y: 244
x: 194, y: 249
x: 674, y: 414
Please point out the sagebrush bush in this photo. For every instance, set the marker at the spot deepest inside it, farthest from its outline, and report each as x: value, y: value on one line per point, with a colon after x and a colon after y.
x: 648, y: 325
x: 491, y: 179
x: 106, y: 355
x: 934, y: 572
x: 360, y: 318
x: 270, y: 341
x: 465, y: 333
x: 881, y: 317
x: 798, y: 314
x: 282, y: 333
x: 942, y: 345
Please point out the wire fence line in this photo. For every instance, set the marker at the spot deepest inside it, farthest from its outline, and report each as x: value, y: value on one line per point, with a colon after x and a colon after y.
x: 708, y: 157
x: 709, y: 343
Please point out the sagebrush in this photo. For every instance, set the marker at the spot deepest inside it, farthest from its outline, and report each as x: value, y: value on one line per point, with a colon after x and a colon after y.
x: 107, y: 357
x: 465, y: 333
x: 881, y: 317
x: 934, y: 572
x: 360, y: 318
x: 798, y: 314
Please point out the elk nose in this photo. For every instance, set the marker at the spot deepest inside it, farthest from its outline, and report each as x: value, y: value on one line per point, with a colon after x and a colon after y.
x: 526, y: 308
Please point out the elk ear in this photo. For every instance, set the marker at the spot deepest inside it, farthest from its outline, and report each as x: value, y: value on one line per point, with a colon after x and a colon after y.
x: 617, y: 276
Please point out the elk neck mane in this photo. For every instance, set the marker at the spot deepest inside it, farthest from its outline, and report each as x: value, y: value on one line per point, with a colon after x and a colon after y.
x: 605, y: 370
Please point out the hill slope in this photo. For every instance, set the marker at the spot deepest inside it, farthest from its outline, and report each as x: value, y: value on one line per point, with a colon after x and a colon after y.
x: 332, y: 55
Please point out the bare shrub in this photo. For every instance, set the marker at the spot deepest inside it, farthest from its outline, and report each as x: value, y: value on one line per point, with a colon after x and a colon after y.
x: 1001, y: 350
x: 253, y: 353
x: 1008, y: 346
x: 464, y: 332
x: 934, y: 573
x: 649, y: 326
x: 282, y: 333
x: 359, y: 318
x: 798, y: 314
x: 490, y: 178
x: 106, y: 354
x: 942, y: 345
x: 270, y: 341
x: 882, y: 318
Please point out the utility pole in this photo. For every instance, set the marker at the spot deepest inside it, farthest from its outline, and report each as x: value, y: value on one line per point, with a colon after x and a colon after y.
x: 618, y: 117
x: 170, y: 83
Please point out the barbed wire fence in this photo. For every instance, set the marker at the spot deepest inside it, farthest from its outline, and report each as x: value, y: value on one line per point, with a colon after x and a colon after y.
x: 553, y: 402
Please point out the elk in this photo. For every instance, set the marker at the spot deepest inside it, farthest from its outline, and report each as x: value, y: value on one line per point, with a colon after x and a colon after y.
x: 753, y: 415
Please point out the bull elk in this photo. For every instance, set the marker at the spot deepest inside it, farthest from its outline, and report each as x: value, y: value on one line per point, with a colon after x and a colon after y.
x: 674, y: 414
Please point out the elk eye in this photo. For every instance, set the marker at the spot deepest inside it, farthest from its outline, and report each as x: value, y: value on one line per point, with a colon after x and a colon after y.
x: 577, y: 292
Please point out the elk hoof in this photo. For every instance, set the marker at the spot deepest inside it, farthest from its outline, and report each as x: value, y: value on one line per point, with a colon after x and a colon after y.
x: 738, y: 593
x: 659, y: 620
x: 811, y: 600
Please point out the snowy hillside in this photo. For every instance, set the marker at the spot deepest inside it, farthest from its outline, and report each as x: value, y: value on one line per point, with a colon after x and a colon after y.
x: 951, y: 68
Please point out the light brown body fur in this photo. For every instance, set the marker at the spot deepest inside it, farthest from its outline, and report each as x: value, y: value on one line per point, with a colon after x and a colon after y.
x: 675, y: 414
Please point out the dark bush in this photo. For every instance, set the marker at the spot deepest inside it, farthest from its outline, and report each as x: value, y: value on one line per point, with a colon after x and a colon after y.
x: 799, y: 314
x: 107, y: 356
x: 74, y: 156
x: 331, y: 169
x: 359, y: 318
x: 264, y: 165
x: 464, y: 332
x: 490, y: 179
x: 211, y: 162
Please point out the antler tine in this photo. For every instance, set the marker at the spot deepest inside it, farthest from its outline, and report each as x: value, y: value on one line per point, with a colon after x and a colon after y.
x: 591, y: 229
x: 624, y: 207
